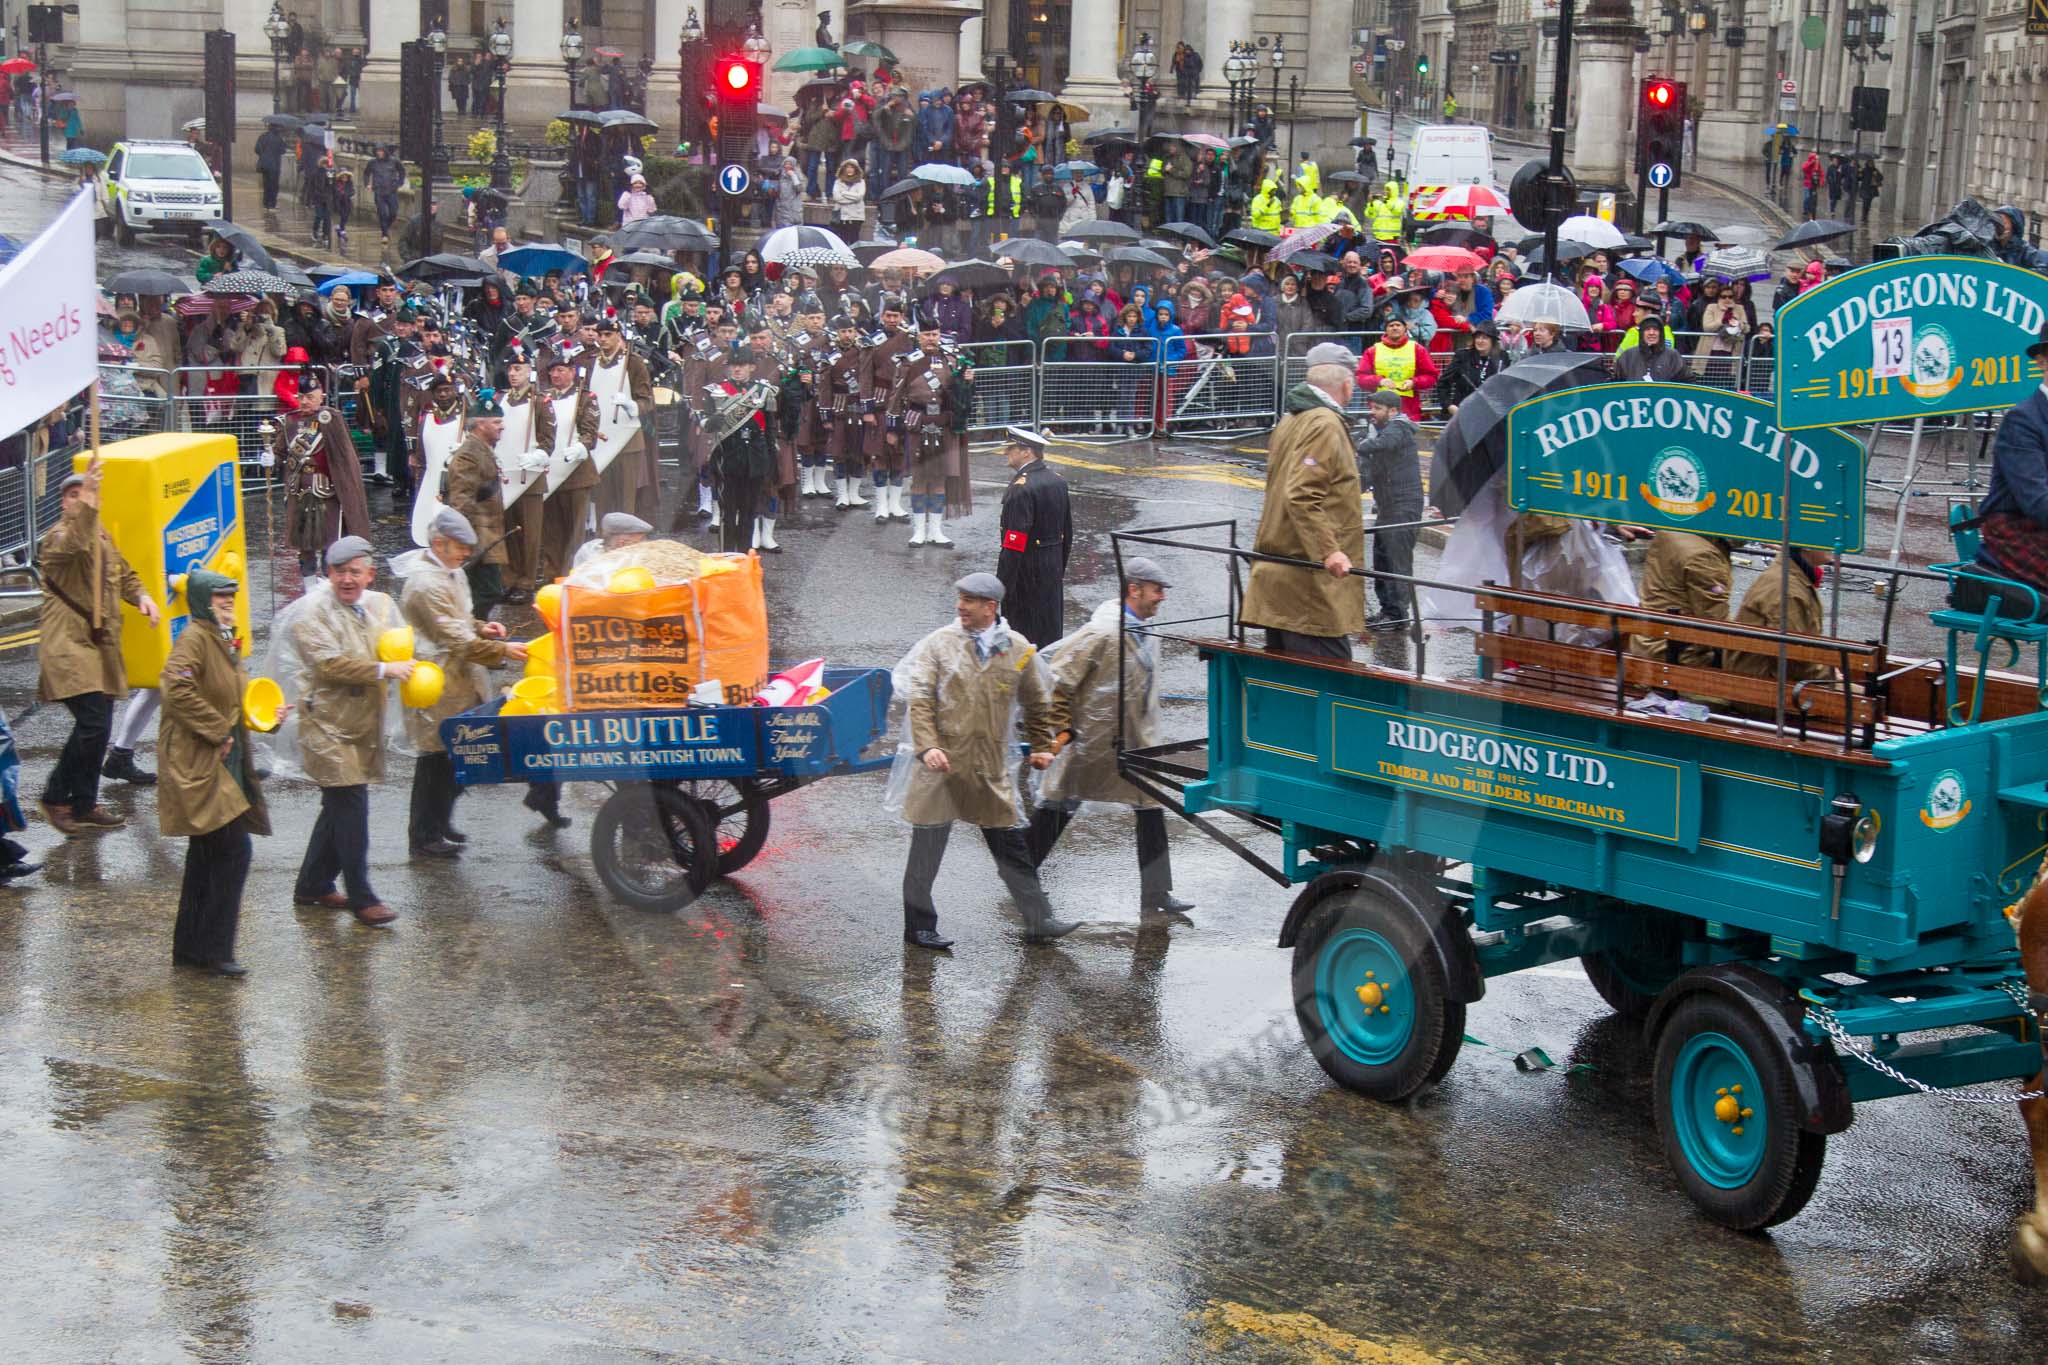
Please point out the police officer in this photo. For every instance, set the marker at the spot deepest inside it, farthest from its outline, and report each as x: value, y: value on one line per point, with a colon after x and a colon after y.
x: 964, y: 681
x: 1087, y: 681
x: 1038, y: 537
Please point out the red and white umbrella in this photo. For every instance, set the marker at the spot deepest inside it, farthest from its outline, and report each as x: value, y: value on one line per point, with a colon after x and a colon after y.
x: 1472, y: 200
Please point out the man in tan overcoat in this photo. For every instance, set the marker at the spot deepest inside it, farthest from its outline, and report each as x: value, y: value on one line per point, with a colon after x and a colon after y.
x: 1312, y: 512
x: 965, y: 684
x: 1087, y: 680
x: 207, y: 786
x: 85, y: 581
x: 436, y: 604
x: 342, y: 693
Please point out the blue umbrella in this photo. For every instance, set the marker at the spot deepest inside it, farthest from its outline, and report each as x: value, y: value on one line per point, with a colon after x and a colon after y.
x: 354, y: 279
x: 82, y: 156
x: 1084, y: 169
x: 1649, y: 271
x: 538, y: 258
x: 9, y: 248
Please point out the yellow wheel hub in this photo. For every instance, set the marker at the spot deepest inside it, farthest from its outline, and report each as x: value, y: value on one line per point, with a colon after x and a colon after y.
x: 1372, y: 995
x: 1729, y: 1108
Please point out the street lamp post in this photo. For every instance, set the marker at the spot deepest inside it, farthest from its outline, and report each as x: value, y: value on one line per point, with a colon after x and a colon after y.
x: 1863, y: 33
x: 501, y: 55
x: 690, y: 88
x: 1001, y: 67
x: 1144, y: 94
x: 1279, y: 59
x: 437, y: 155
x: 1239, y: 69
x: 276, y: 28
x: 1293, y: 111
x: 572, y: 57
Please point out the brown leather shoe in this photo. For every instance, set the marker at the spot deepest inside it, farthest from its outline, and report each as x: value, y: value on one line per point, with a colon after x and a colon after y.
x: 376, y: 916
x: 333, y: 900
x: 99, y: 817
x: 60, y: 818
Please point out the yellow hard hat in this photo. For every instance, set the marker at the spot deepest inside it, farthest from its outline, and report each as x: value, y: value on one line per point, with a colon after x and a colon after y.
x: 630, y: 579
x: 395, y: 644
x: 423, y: 688
x: 513, y: 706
x: 260, y: 703
x: 547, y: 600
x: 535, y: 691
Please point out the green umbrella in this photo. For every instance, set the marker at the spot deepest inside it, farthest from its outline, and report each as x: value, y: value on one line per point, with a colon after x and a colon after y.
x: 875, y: 50
x: 809, y: 59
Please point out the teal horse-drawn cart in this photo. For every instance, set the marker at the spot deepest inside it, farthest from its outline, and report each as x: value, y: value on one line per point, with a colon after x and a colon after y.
x: 1801, y: 896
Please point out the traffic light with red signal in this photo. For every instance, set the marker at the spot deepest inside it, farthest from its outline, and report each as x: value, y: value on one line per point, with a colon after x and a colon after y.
x: 736, y: 88
x: 1660, y: 132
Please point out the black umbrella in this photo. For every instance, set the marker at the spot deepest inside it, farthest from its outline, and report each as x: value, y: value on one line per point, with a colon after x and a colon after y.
x: 820, y: 85
x: 1684, y: 227
x: 1081, y: 255
x: 903, y: 187
x: 652, y: 259
x: 1186, y: 232
x: 1029, y: 96
x: 290, y: 273
x: 589, y: 116
x: 973, y: 275
x: 1473, y: 447
x: 1631, y: 242
x: 253, y: 254
x: 445, y: 265
x: 1567, y: 252
x: 1453, y: 234
x: 664, y: 232
x: 625, y: 118
x: 148, y: 281
x: 1103, y: 230
x: 1345, y: 178
x: 1813, y: 232
x: 281, y: 120
x: 246, y: 282
x: 1138, y: 255
x: 1313, y: 260
x: 867, y: 251
x: 1252, y: 237
x: 1030, y: 251
x: 1362, y: 142
x: 1111, y: 135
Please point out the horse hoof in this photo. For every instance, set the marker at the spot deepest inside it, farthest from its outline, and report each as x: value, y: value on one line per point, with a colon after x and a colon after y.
x: 2028, y: 1254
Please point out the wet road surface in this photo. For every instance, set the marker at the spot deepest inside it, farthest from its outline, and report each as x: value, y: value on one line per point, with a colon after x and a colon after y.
x: 528, y: 1122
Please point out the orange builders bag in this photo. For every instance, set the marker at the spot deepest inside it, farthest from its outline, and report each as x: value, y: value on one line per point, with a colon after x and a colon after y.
x: 647, y: 649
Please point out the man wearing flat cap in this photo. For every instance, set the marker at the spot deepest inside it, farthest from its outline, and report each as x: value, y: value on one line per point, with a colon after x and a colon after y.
x: 615, y: 530
x: 85, y: 581
x: 436, y: 604
x: 1087, y: 679
x: 1037, y: 538
x: 471, y: 485
x: 341, y: 690
x: 1390, y: 467
x: 965, y: 683
x: 1312, y: 512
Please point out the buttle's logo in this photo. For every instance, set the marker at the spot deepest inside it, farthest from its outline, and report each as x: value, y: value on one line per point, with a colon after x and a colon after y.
x: 1678, y: 484
x: 1948, y: 801
x: 1934, y: 371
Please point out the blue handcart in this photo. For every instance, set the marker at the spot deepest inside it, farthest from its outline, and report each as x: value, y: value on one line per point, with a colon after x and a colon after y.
x: 690, y: 785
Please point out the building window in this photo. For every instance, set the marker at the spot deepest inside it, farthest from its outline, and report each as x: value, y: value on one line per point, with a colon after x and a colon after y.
x: 593, y: 14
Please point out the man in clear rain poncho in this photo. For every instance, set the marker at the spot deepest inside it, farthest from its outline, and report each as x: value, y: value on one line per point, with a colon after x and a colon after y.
x: 964, y: 686
x: 1085, y: 690
x: 324, y: 655
x: 436, y: 604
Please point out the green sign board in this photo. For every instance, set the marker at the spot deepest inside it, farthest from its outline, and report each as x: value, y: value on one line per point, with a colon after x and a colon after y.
x: 1691, y: 458
x: 1915, y: 337
x: 1538, y: 775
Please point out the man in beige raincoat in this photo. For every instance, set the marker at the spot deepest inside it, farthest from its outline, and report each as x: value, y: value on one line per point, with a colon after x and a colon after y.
x: 207, y: 787
x: 1085, y: 682
x: 436, y: 604
x: 964, y: 682
x: 342, y: 695
x: 85, y: 581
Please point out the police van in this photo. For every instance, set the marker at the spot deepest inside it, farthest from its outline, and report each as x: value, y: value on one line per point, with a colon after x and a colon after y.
x: 159, y: 187
x: 1443, y: 155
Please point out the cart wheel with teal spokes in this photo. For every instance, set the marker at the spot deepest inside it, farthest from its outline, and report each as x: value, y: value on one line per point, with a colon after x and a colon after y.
x: 1645, y: 956
x: 1726, y: 1109
x: 652, y: 846
x: 1370, y: 994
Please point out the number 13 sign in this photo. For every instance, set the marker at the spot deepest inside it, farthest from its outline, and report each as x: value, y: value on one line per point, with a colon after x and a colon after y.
x: 1891, y: 343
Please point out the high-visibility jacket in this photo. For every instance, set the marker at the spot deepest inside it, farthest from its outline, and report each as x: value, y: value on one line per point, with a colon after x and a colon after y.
x: 1386, y: 218
x: 1013, y: 196
x: 1306, y: 210
x: 1309, y: 177
x: 1266, y: 209
x: 1397, y: 190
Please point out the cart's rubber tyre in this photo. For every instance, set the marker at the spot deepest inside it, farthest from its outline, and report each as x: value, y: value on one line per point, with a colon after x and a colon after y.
x: 740, y: 821
x: 1370, y: 995
x: 652, y: 847
x: 1631, y: 975
x: 1725, y: 1110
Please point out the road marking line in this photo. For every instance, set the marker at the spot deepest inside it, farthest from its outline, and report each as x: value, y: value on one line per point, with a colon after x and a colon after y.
x: 1307, y: 1333
x: 27, y: 637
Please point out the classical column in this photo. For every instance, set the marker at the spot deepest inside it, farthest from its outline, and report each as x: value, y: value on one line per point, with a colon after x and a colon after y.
x: 1224, y: 22
x: 970, y: 49
x: 1093, y: 56
x: 392, y: 22
x: 536, y: 88
x: 1603, y: 49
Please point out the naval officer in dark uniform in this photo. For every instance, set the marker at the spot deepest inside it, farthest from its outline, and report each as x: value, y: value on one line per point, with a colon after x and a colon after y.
x: 1038, y: 536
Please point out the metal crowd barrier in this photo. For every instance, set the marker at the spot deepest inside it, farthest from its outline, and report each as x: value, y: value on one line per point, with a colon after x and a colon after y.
x: 240, y: 414
x: 1005, y: 384
x: 1220, y: 390
x: 17, y: 526
x: 1294, y: 363
x: 1086, y: 388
